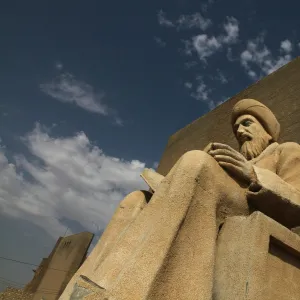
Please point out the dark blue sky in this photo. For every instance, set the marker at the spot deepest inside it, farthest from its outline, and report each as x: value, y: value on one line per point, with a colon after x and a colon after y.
x: 91, y: 91
x: 110, y: 45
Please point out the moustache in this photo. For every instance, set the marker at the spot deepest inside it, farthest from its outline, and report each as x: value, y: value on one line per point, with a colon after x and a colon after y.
x: 245, y: 137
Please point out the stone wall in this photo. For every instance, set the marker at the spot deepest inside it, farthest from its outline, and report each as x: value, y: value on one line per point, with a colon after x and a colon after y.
x: 280, y: 91
x: 54, y: 273
x: 32, y: 286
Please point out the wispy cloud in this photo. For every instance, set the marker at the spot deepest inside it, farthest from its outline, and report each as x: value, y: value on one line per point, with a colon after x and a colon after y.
x: 258, y: 60
x: 66, y: 88
x: 188, y: 85
x: 219, y: 76
x: 160, y: 42
x: 163, y: 21
x: 206, y: 5
x: 190, y: 64
x: 58, y: 66
x: 204, y: 46
x: 202, y: 92
x: 231, y: 28
x: 195, y: 20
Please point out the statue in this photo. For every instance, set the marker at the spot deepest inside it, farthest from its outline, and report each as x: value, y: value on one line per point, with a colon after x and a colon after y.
x: 161, y: 244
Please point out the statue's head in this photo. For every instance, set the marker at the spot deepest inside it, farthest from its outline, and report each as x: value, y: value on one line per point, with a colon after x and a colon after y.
x: 255, y: 127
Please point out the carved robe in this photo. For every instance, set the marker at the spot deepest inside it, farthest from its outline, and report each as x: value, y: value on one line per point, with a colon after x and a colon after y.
x: 165, y: 248
x: 278, y: 173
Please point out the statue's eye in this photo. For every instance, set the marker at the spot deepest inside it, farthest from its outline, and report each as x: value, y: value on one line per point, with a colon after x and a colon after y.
x: 247, y: 123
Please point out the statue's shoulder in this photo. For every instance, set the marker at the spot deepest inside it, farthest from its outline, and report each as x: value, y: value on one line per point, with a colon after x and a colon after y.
x: 289, y: 146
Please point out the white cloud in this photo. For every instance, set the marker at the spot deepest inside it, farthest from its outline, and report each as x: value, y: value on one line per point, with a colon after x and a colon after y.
x: 195, y: 20
x: 231, y: 28
x: 206, y: 46
x: 258, y: 60
x: 252, y: 74
x: 286, y: 46
x: 69, y: 178
x: 188, y: 85
x: 163, y: 21
x: 66, y: 88
x: 202, y: 92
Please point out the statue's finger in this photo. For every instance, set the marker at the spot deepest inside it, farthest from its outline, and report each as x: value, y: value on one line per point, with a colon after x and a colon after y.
x: 222, y: 146
x: 226, y: 152
x: 228, y: 159
x: 235, y: 170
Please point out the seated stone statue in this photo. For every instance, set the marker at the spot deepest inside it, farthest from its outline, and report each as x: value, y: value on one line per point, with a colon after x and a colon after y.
x: 162, y: 245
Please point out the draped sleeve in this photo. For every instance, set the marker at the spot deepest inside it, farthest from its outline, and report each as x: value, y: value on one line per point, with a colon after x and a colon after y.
x: 278, y: 194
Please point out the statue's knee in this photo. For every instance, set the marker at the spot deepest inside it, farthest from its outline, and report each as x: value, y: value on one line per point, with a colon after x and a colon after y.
x: 197, y: 159
x: 136, y: 198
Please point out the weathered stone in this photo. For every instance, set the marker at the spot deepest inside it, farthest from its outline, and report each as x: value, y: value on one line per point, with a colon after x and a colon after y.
x: 166, y: 248
x: 257, y: 258
x: 79, y: 292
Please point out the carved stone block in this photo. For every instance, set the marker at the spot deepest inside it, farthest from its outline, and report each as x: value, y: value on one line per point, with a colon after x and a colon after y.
x: 257, y: 258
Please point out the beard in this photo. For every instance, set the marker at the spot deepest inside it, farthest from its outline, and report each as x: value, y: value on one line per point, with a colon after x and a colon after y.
x: 253, y: 148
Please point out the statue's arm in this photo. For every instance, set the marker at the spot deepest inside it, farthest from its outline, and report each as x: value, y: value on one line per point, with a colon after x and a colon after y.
x: 278, y: 195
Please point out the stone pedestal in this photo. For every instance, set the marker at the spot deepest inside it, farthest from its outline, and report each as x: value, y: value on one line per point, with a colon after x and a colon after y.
x: 257, y: 258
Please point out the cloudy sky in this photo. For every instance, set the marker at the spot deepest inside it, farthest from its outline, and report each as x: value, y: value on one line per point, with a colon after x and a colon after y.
x: 91, y: 91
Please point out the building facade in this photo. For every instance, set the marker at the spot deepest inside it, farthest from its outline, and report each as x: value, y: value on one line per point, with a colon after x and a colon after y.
x: 55, y: 271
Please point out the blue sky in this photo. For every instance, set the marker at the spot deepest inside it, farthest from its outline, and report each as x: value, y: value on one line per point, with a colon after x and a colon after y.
x: 91, y: 91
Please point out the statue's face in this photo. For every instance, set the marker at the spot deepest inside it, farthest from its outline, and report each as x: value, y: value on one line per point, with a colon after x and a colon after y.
x: 251, y: 135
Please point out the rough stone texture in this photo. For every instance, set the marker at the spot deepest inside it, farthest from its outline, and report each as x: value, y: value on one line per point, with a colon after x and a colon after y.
x: 85, y: 289
x: 158, y: 255
x: 125, y: 214
x: 15, y: 294
x: 32, y: 286
x: 257, y: 258
x: 153, y: 179
x: 280, y: 91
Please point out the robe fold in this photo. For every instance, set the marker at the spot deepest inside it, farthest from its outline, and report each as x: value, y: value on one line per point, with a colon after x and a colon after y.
x: 277, y: 191
x: 165, y: 249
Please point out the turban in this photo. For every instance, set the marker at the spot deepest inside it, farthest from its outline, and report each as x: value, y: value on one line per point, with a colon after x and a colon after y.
x: 262, y: 113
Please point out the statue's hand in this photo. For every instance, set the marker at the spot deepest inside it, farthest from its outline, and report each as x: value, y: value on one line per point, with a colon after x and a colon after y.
x: 233, y: 162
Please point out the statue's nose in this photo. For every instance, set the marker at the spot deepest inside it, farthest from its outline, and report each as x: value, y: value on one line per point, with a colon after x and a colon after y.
x: 240, y: 130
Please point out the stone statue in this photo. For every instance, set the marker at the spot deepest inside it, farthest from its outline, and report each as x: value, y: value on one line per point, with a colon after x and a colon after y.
x: 161, y: 244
